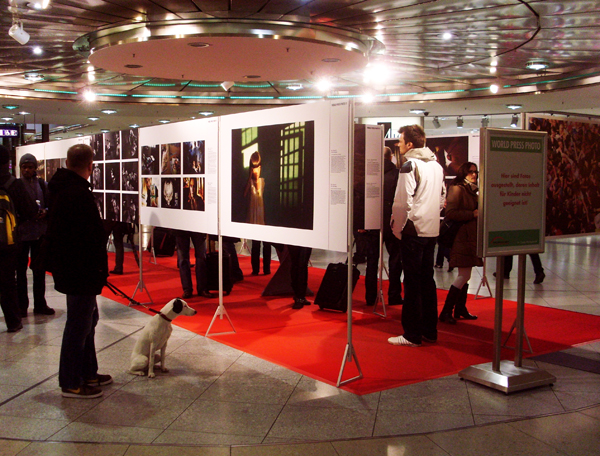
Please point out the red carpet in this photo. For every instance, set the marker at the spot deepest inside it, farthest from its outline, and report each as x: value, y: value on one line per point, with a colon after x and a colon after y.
x: 312, y: 342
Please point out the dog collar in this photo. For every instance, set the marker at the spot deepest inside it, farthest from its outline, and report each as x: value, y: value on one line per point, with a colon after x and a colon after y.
x: 162, y: 315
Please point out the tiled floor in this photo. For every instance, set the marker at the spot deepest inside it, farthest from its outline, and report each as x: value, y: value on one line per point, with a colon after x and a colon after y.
x: 219, y: 401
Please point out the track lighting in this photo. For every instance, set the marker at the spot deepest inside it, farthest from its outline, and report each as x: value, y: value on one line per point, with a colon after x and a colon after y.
x: 459, y: 122
x: 18, y: 34
x: 485, y: 120
x: 436, y: 122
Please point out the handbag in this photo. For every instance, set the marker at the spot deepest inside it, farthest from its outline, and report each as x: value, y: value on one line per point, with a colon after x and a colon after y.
x: 448, y: 230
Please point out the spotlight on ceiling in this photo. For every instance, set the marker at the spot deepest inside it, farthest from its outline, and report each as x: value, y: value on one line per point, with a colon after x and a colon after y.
x: 537, y: 65
x: 436, y: 122
x: 18, y: 34
x: 227, y: 85
x: 93, y: 119
x: 11, y: 107
x: 514, y: 121
x: 164, y: 121
x: 417, y: 111
x: 485, y: 120
x: 459, y: 122
x: 514, y: 106
x: 109, y: 111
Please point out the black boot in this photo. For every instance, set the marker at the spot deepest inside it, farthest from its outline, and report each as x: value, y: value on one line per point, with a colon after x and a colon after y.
x: 460, y: 311
x: 451, y: 299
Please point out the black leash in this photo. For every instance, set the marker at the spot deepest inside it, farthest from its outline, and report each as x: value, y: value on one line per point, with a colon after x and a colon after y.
x: 132, y: 301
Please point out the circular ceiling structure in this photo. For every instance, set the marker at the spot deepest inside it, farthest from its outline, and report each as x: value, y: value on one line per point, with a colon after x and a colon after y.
x: 233, y: 50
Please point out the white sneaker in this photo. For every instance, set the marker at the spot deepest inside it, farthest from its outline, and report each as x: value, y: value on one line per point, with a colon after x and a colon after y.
x: 400, y: 340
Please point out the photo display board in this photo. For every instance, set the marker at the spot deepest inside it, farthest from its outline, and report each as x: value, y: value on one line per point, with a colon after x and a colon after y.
x: 368, y: 177
x: 284, y: 175
x: 512, y: 192
x: 178, y: 187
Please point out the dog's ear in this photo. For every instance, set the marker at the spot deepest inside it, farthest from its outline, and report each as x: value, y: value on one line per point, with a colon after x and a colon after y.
x: 178, y: 306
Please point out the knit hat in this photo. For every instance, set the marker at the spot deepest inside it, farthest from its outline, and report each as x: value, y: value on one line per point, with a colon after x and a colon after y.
x: 28, y: 158
x: 4, y: 155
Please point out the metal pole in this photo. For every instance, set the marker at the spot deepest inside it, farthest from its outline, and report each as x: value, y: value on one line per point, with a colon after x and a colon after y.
x: 520, y: 311
x: 498, y: 313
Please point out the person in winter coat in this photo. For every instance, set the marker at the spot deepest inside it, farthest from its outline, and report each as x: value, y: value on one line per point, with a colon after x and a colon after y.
x: 420, y: 196
x: 461, y: 206
x: 76, y: 256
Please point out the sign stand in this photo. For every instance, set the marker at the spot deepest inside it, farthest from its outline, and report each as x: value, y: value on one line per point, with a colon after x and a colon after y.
x: 485, y: 283
x: 511, y: 221
x: 141, y: 286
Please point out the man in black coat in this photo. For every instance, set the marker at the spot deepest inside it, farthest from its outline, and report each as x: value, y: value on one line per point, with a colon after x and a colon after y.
x: 76, y: 256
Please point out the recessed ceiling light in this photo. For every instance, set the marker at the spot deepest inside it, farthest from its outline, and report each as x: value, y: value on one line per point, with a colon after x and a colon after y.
x: 93, y: 119
x: 206, y: 113
x: 79, y: 134
x: 133, y: 65
x: 37, y: 50
x: 295, y: 87
x: 417, y: 111
x: 10, y: 107
x: 24, y: 113
x: 252, y: 76
x: 133, y: 126
x: 494, y: 88
x: 514, y: 106
x: 537, y: 65
x: 7, y: 119
x: 34, y: 77
x: 446, y: 36
x: 89, y: 95
x: 164, y: 121
x: 331, y: 60
x: 58, y: 138
x: 104, y: 130
x: 109, y: 111
x: 198, y: 44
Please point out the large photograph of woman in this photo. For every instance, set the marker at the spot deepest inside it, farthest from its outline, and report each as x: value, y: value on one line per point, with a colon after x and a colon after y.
x: 273, y: 175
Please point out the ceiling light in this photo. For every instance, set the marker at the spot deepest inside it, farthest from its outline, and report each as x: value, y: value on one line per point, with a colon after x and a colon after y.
x: 485, y: 120
x: 294, y: 86
x: 88, y: 95
x: 133, y: 66
x: 39, y: 4
x: 331, y: 60
x: 134, y: 126
x: 324, y: 85
x: 18, y: 34
x: 58, y: 138
x: 537, y: 65
x: 494, y: 88
x: 227, y: 85
x: 436, y: 122
x: 91, y: 76
x: 446, y: 36
x: 492, y: 69
x: 24, y: 113
x: 252, y: 76
x: 104, y: 130
x: 37, y: 50
x: 109, y: 111
x: 34, y: 77
x: 417, y: 111
x: 459, y: 122
x: 7, y: 119
x: 93, y: 119
x: 206, y: 113
x: 79, y: 134
x: 514, y: 106
x: 367, y: 98
x: 11, y: 107
x: 164, y: 121
x: 514, y: 122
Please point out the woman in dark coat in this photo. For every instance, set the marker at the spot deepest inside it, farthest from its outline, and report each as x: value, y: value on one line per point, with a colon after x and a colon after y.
x: 461, y: 206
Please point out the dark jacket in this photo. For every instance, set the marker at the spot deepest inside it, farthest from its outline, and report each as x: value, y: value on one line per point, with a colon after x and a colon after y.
x: 25, y: 208
x: 462, y: 200
x: 390, y: 180
x: 76, y: 242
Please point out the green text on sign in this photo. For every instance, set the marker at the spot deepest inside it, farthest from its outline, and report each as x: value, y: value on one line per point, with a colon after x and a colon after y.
x: 513, y: 238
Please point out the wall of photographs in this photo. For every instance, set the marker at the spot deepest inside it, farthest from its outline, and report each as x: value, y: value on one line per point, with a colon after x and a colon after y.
x: 115, y: 176
x: 179, y: 175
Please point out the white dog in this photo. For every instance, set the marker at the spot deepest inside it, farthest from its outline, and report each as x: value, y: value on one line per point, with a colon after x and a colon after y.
x: 154, y: 337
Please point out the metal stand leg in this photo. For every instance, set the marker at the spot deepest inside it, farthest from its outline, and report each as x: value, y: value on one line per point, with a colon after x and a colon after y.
x: 350, y: 356
x: 221, y: 309
x: 485, y: 283
x: 512, y: 328
x: 141, y: 286
x: 244, y: 247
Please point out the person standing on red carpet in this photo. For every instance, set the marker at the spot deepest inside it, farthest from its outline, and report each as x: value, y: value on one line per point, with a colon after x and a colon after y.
x: 419, y: 199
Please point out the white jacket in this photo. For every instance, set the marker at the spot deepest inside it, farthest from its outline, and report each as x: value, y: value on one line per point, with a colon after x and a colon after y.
x: 420, y: 195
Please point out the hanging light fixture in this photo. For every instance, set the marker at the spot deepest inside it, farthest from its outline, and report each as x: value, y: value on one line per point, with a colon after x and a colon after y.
x: 436, y: 122
x: 514, y: 122
x: 485, y: 120
x: 459, y: 122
